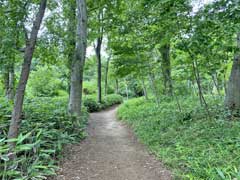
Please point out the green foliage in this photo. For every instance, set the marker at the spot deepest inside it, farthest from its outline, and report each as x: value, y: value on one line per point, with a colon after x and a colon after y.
x: 192, y: 145
x: 111, y: 99
x: 1, y: 89
x: 44, y: 82
x: 89, y: 88
x: 45, y: 130
x: 90, y: 102
x: 5, y: 114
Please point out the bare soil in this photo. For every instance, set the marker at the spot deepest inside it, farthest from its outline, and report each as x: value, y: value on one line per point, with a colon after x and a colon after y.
x: 110, y: 152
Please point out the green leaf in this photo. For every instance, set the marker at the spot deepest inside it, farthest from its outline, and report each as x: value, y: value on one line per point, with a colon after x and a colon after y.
x: 4, y: 157
x: 220, y: 173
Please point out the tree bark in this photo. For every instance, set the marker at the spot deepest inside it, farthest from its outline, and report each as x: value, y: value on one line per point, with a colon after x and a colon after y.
x: 98, y: 54
x: 215, y: 82
x: 117, y: 87
x: 154, y: 88
x: 198, y: 80
x: 99, y: 68
x: 126, y: 88
x: 71, y: 38
x: 106, y: 75
x: 19, y: 98
x: 144, y: 89
x: 6, y: 82
x: 232, y: 99
x: 224, y: 82
x: 11, y: 80
x: 166, y: 69
x: 75, y: 99
x: 178, y: 103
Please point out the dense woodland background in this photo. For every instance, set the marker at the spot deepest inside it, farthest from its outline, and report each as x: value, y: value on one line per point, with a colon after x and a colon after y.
x: 176, y: 64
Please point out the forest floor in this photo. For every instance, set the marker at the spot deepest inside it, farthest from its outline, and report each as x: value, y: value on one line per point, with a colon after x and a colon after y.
x: 110, y: 152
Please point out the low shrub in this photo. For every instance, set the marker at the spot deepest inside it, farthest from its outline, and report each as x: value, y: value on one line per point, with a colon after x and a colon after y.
x: 90, y: 102
x: 93, y: 106
x: 89, y: 87
x: 45, y: 129
x: 111, y: 99
x: 193, y: 146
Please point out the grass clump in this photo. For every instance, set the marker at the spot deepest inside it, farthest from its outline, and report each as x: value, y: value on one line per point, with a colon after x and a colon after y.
x: 193, y: 146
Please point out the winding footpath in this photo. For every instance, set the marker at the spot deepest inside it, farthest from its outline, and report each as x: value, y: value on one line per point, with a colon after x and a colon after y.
x: 110, y: 152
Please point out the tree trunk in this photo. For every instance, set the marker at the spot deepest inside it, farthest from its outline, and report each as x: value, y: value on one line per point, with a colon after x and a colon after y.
x: 198, y: 80
x: 75, y: 99
x: 144, y: 89
x: 99, y: 68
x: 215, y: 82
x: 19, y: 98
x: 224, y: 82
x: 6, y: 83
x: 166, y: 69
x: 126, y: 88
x: 117, y: 87
x: 232, y: 99
x: 154, y: 88
x: 11, y: 78
x: 178, y: 103
x: 106, y: 75
x: 71, y: 39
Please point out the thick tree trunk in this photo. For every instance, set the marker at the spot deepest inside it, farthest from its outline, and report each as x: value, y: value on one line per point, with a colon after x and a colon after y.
x: 106, y: 75
x: 75, y: 99
x: 166, y: 69
x: 232, y: 99
x: 71, y: 38
x: 18, y: 103
x: 99, y: 68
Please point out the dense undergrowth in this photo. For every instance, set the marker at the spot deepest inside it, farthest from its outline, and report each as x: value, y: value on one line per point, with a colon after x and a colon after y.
x: 193, y: 146
x: 46, y: 128
x: 92, y: 105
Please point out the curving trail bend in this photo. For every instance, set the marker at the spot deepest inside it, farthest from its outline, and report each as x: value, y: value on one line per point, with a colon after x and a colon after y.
x: 110, y: 152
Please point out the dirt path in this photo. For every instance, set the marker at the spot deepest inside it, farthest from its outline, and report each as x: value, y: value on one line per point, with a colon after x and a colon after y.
x: 110, y: 152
